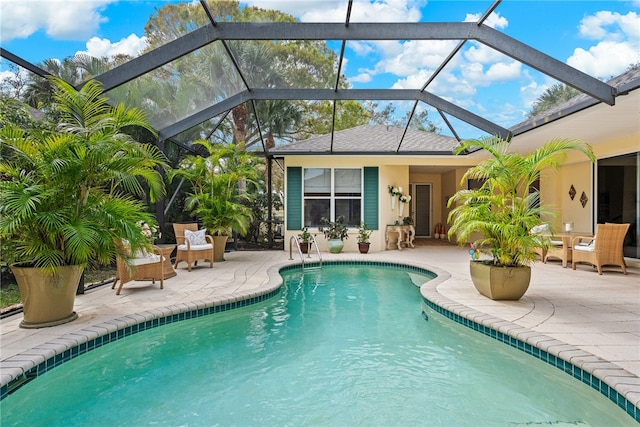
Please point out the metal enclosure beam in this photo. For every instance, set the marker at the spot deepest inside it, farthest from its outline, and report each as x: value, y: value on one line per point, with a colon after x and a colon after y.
x: 359, y: 31
x: 339, y: 95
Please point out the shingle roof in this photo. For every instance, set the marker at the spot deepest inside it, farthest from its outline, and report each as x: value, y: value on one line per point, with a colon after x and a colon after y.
x: 372, y: 139
x: 381, y: 139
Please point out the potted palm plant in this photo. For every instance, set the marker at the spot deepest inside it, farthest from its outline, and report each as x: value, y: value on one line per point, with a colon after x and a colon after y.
x: 68, y: 193
x: 504, y: 210
x: 218, y: 189
x: 335, y: 232
x: 363, y: 238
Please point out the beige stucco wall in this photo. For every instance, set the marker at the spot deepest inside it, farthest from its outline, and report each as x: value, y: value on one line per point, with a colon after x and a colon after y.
x: 393, y: 174
x: 394, y: 170
x: 554, y: 191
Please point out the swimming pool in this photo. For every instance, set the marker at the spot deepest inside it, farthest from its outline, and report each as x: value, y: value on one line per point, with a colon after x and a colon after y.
x: 343, y: 345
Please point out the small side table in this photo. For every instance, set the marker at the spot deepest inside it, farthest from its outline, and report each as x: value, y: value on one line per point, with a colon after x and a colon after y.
x: 165, y: 250
x: 406, y: 235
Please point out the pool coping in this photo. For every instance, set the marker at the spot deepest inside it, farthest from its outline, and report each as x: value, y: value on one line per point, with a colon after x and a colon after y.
x: 19, y: 369
x: 614, y: 382
x: 617, y: 384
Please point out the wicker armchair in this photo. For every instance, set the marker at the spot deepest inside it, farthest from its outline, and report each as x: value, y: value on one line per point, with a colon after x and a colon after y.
x: 189, y: 252
x: 141, y: 267
x: 605, y: 248
x: 560, y: 248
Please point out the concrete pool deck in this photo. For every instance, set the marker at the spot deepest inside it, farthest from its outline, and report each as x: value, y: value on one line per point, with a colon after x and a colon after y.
x: 596, y: 318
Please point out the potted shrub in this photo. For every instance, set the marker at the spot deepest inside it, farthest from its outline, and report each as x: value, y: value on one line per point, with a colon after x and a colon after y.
x: 335, y: 232
x: 67, y: 194
x: 363, y: 238
x: 504, y: 210
x: 304, y: 238
x: 218, y: 194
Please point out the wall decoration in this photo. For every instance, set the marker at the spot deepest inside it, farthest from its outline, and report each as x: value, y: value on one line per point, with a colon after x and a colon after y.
x: 572, y: 192
x: 584, y: 199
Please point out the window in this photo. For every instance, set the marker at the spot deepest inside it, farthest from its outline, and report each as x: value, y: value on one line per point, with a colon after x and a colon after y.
x: 331, y: 193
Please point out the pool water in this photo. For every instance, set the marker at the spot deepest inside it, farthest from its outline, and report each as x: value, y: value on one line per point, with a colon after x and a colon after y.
x: 344, y: 345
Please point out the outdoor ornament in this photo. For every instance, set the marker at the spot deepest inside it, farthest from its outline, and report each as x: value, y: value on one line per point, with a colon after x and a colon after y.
x: 474, y: 252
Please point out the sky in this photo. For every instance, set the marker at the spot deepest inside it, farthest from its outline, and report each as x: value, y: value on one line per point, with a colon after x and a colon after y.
x: 600, y: 38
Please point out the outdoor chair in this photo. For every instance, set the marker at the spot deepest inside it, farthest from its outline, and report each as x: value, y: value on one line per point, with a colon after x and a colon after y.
x: 193, y: 245
x: 560, y: 248
x: 139, y: 266
x: 605, y: 248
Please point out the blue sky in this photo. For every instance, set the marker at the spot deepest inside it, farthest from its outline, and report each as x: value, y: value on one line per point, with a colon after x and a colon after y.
x: 600, y: 38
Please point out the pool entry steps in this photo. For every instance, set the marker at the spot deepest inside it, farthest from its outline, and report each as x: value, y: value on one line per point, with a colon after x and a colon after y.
x: 311, y: 243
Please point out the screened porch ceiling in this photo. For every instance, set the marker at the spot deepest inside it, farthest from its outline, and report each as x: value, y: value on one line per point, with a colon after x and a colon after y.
x: 202, y: 71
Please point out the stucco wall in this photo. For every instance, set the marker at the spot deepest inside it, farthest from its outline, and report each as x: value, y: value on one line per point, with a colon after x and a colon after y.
x: 397, y: 175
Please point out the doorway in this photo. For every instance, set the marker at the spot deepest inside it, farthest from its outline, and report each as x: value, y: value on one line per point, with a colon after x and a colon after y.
x: 420, y: 208
x: 618, y: 186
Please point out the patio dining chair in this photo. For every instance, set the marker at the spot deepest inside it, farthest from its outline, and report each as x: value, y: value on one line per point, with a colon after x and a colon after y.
x: 139, y: 266
x: 193, y: 245
x: 604, y: 248
x: 560, y: 248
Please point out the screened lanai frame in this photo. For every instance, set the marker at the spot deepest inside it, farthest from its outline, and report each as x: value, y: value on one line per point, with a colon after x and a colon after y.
x: 239, y: 83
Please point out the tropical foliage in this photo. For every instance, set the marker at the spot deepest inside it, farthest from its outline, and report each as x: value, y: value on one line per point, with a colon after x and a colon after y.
x: 364, y: 233
x: 551, y: 97
x: 220, y: 182
x: 67, y: 193
x: 506, y: 207
x: 334, y: 230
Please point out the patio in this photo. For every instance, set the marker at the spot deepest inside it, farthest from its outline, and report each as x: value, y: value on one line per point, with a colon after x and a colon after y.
x: 565, y: 311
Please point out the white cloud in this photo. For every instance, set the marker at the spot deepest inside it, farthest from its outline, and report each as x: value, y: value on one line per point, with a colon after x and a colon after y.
x: 494, y: 20
x: 476, y: 75
x: 605, y: 25
x: 413, y: 56
x: 483, y: 54
x: 336, y: 11
x: 68, y: 20
x: 361, y: 78
x: 131, y: 45
x: 604, y: 60
x: 618, y: 46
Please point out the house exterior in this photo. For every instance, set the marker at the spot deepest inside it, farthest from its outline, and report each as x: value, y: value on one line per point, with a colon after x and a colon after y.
x: 349, y: 173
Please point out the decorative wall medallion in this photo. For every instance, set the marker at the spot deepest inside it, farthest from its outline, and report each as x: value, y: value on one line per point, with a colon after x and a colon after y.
x: 572, y: 192
x: 584, y: 199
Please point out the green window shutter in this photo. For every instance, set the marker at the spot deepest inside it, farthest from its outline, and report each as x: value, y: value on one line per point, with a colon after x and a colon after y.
x: 370, y: 197
x: 294, y: 198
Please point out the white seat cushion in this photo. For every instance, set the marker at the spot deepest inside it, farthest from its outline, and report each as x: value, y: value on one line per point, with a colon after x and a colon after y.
x: 195, y: 247
x: 149, y: 259
x: 584, y: 248
x: 556, y: 242
x: 541, y: 229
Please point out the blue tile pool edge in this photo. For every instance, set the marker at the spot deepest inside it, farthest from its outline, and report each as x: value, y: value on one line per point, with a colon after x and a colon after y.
x: 465, y: 316
x: 116, y: 329
x: 131, y: 324
x: 80, y: 342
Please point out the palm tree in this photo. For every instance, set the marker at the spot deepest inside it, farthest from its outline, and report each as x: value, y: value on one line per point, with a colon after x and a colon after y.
x: 219, y: 182
x: 551, y: 97
x: 278, y: 118
x: 67, y: 194
x: 39, y: 92
x: 504, y: 210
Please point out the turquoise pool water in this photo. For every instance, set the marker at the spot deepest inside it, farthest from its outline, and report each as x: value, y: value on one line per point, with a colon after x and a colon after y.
x: 341, y: 346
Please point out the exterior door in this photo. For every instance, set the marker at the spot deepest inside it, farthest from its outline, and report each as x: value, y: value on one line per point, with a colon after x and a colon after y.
x: 421, y: 209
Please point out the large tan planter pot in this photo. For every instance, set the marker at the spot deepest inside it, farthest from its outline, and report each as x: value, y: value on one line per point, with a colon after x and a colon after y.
x: 500, y: 283
x: 47, y: 299
x: 219, y: 244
